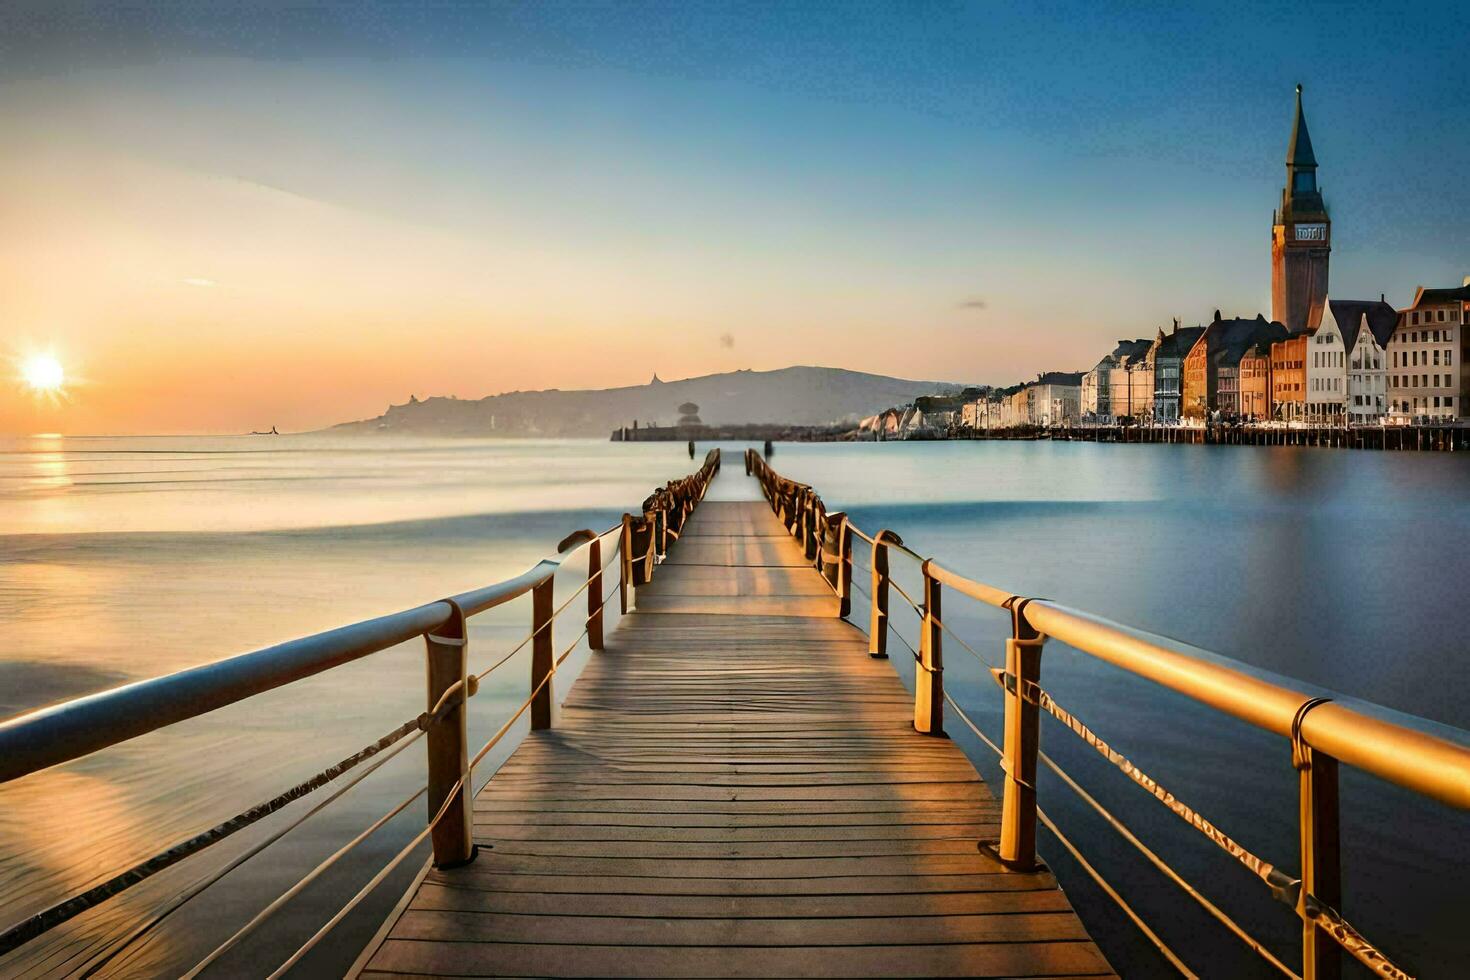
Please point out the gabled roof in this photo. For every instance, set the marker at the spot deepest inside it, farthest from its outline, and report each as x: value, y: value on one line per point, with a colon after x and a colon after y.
x: 1350, y: 314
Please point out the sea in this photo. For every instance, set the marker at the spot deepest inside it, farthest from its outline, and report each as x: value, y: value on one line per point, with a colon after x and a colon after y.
x: 1340, y: 573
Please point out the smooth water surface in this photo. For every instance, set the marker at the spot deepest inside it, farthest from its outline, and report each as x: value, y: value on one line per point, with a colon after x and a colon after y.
x: 126, y: 558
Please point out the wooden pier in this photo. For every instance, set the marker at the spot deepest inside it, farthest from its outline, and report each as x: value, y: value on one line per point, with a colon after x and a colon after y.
x: 735, y: 788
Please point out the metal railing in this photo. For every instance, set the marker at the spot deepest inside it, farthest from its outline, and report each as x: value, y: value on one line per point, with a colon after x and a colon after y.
x: 1322, y: 734
x: 54, y: 735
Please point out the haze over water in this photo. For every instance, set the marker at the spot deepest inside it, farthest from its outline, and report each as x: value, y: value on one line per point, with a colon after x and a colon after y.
x: 122, y: 559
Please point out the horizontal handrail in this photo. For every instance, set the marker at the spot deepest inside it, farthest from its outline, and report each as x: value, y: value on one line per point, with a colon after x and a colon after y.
x: 62, y: 732
x: 1418, y: 761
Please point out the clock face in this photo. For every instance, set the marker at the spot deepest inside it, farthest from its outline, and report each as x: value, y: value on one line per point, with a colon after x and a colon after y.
x: 1310, y: 233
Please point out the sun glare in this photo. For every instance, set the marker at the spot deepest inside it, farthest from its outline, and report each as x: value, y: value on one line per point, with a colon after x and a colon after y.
x: 43, y: 372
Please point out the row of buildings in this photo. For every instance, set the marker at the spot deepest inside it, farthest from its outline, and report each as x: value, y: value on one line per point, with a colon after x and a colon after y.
x: 1317, y: 360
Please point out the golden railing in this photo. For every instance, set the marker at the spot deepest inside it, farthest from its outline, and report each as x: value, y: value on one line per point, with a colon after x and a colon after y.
x: 50, y: 736
x: 1322, y: 733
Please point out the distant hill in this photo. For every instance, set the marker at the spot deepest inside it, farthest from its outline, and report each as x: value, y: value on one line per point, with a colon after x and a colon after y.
x: 790, y: 396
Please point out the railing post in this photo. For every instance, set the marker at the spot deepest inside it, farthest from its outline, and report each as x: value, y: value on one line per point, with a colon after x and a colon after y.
x: 747, y: 461
x: 1320, y: 858
x: 448, y: 742
x: 541, y: 653
x: 595, y: 587
x: 625, y: 563
x: 929, y: 677
x: 878, y: 618
x: 1022, y: 740
x: 844, y: 568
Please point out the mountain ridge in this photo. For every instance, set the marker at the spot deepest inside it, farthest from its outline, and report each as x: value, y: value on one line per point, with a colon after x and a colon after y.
x: 796, y: 395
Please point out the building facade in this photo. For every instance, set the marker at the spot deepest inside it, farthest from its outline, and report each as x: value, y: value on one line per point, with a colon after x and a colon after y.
x: 1166, y: 358
x: 1289, y: 378
x: 1212, y: 369
x: 1131, y: 387
x: 1367, y: 328
x: 1326, y: 375
x: 1301, y: 237
x: 1255, y: 382
x: 1426, y: 356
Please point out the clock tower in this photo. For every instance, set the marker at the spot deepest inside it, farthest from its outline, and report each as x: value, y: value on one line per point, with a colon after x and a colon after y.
x: 1301, y: 237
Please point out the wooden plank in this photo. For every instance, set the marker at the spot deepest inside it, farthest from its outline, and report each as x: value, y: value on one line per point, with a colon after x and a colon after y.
x: 469, y: 959
x: 734, y: 788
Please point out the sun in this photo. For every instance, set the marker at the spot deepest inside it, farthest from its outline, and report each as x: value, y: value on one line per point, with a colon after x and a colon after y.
x: 43, y: 373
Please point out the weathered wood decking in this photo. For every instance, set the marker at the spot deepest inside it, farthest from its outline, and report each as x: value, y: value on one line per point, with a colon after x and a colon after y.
x: 734, y: 788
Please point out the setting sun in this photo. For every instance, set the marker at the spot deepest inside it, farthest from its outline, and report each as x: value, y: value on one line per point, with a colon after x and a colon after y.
x: 43, y: 372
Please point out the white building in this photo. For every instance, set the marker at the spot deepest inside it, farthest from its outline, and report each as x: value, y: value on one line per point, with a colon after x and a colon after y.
x: 1056, y: 399
x: 1426, y: 356
x: 1366, y: 328
x: 1326, y: 374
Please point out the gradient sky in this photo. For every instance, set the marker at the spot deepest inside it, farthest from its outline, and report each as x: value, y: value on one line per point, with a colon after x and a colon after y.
x: 227, y: 216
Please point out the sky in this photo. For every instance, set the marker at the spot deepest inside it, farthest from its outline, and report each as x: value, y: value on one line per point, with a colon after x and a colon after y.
x: 225, y: 216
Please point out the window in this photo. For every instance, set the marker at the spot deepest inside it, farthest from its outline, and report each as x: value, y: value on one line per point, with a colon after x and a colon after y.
x: 1449, y: 357
x: 1436, y: 401
x: 1441, y: 316
x: 1449, y: 401
x: 1436, y: 358
x: 1414, y: 318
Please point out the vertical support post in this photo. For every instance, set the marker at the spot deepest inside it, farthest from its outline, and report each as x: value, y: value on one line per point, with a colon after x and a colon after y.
x: 595, y: 588
x: 844, y: 568
x: 747, y: 461
x: 1321, y: 859
x: 878, y: 620
x: 1022, y: 740
x: 448, y: 742
x: 929, y: 677
x: 541, y: 653
x: 625, y: 563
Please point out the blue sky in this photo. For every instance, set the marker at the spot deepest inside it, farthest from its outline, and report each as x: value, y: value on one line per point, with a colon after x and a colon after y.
x: 967, y: 191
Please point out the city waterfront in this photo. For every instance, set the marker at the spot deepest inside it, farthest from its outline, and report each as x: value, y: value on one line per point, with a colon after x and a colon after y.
x: 1339, y: 570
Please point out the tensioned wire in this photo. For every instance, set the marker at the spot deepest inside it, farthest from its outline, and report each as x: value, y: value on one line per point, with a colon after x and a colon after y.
x: 418, y: 838
x: 406, y: 733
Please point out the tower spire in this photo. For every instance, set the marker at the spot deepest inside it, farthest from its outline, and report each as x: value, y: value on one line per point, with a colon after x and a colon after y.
x: 1299, y: 153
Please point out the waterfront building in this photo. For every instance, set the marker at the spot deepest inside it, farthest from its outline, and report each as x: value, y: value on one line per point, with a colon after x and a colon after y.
x: 1289, y: 378
x: 1255, y: 382
x: 1326, y: 375
x: 1212, y: 366
x: 1166, y: 366
x: 1056, y: 398
x: 1301, y: 237
x: 1094, y: 403
x: 1131, y: 387
x: 1426, y: 369
x: 1366, y: 327
x: 982, y: 413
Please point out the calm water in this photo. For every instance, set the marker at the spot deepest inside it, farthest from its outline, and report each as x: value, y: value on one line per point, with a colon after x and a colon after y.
x: 125, y: 558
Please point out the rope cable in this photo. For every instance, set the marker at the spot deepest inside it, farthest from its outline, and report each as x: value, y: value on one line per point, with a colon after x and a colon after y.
x: 198, y: 887
x: 418, y: 838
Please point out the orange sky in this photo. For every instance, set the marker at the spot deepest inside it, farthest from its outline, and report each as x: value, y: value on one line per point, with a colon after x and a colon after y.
x: 214, y: 244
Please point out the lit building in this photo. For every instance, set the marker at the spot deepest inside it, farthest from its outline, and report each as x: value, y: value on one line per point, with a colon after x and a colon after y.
x: 1212, y: 366
x: 1326, y: 375
x: 1301, y: 237
x: 1166, y: 369
x: 1056, y: 398
x: 1426, y: 356
x: 1366, y: 327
